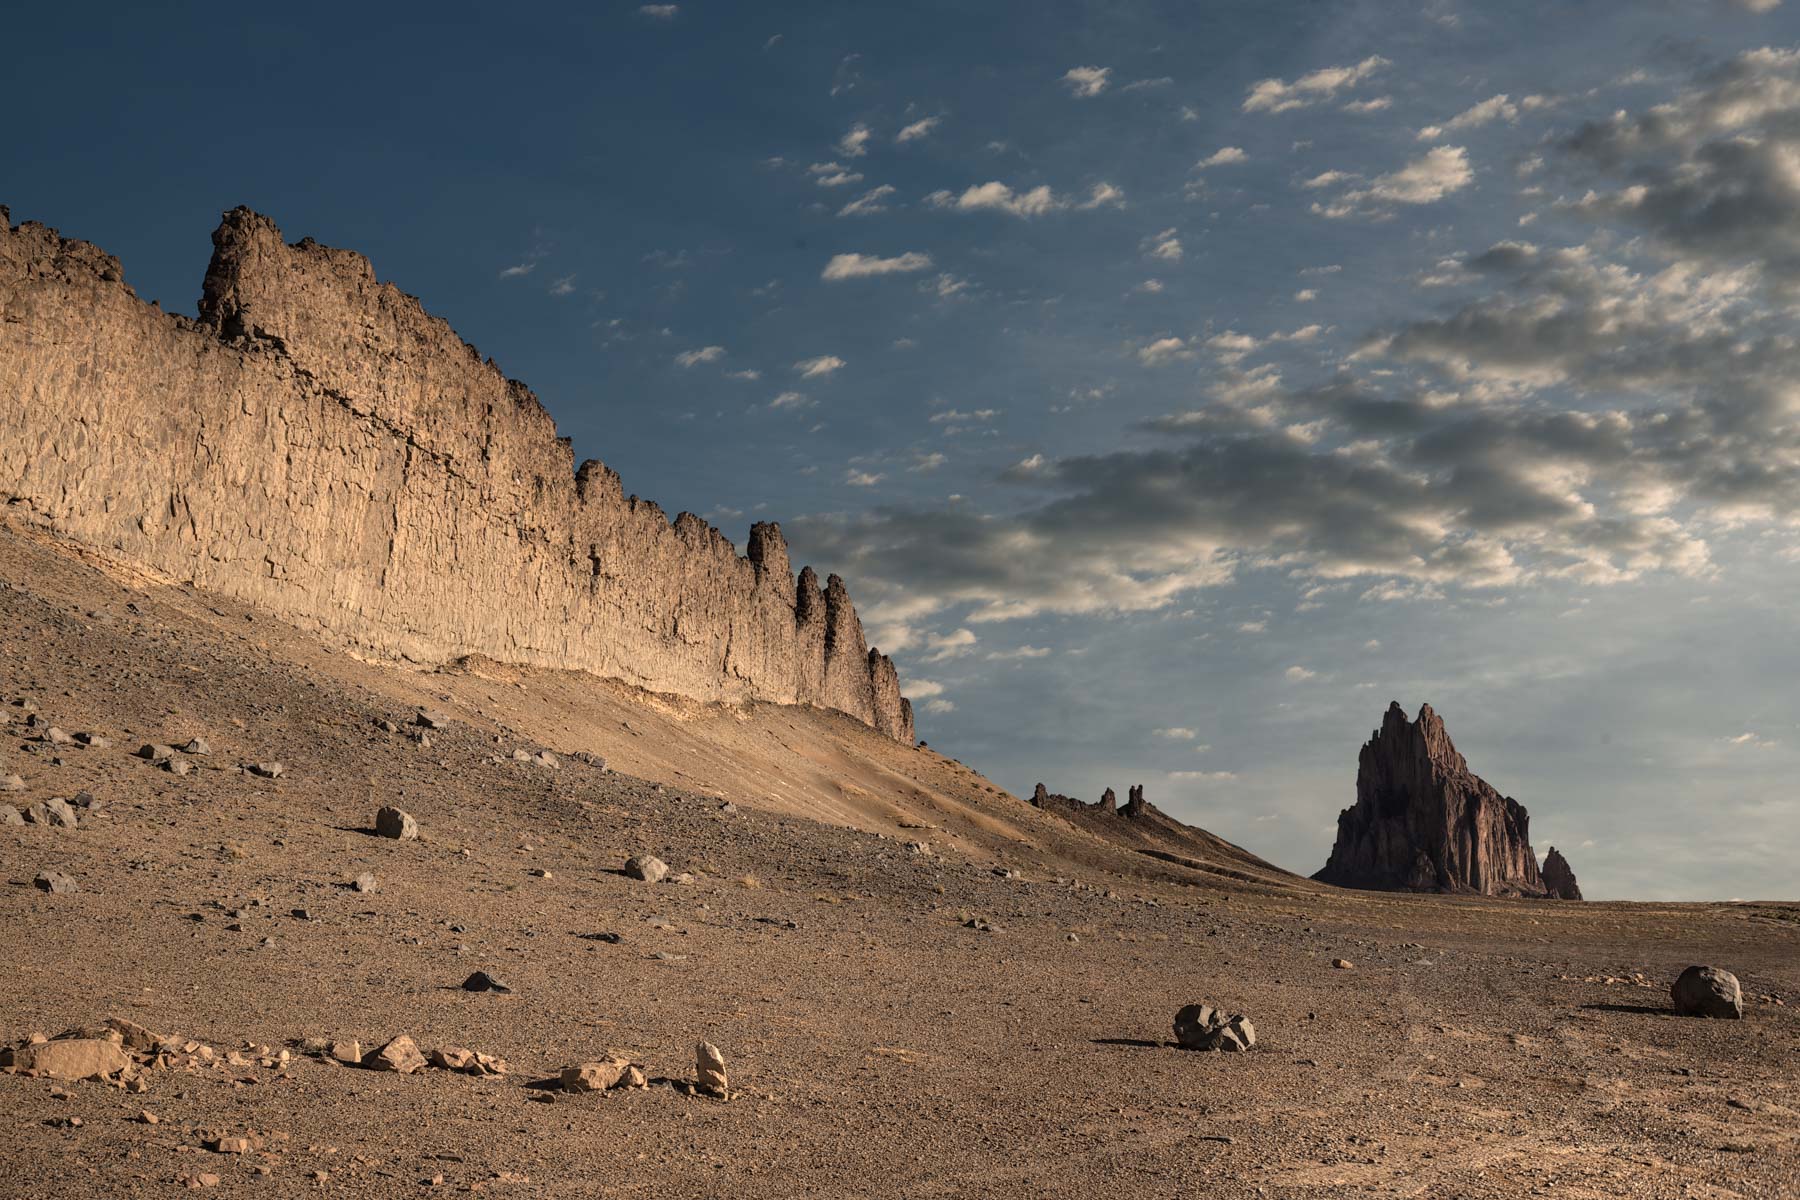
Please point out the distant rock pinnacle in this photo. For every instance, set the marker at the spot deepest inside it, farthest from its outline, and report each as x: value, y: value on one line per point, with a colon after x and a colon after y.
x: 1559, y: 879
x: 1423, y: 822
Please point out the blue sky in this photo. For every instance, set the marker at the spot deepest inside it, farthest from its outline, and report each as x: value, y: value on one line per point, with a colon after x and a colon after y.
x: 1174, y: 384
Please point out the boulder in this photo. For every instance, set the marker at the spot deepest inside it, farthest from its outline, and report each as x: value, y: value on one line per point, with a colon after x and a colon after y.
x: 394, y: 823
x: 54, y: 812
x: 69, y: 1058
x: 481, y: 981
x: 1708, y: 992
x: 55, y: 882
x: 400, y: 1055
x: 646, y: 867
x: 709, y: 1070
x: 594, y: 1076
x: 1198, y: 1027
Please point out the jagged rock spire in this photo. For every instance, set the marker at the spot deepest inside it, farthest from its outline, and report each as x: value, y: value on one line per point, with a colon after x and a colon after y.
x: 1423, y: 821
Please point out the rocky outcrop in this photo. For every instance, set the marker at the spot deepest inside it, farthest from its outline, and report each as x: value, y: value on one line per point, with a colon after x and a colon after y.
x: 318, y: 445
x: 1141, y: 826
x: 1423, y: 822
x: 1559, y: 879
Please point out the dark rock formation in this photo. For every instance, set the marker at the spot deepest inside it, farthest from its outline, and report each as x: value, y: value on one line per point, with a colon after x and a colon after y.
x: 1559, y: 880
x: 1139, y: 825
x: 1423, y: 822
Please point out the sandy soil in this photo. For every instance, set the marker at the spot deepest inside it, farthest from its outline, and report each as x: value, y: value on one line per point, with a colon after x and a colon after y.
x: 877, y: 1044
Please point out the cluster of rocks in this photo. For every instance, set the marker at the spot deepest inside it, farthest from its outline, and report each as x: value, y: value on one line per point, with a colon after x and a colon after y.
x: 615, y: 1071
x: 401, y: 1055
x: 1135, y: 805
x: 54, y: 813
x: 1199, y: 1027
x: 121, y: 1052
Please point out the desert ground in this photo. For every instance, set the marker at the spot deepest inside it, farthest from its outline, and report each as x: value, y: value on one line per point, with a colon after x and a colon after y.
x: 921, y: 985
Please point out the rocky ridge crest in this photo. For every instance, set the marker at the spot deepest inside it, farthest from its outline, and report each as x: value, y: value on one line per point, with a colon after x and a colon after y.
x: 318, y: 445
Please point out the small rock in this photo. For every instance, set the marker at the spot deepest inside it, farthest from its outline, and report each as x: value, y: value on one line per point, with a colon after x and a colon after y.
x: 94, y: 741
x: 146, y: 1117
x: 196, y: 746
x: 521, y: 755
x: 230, y: 1145
x: 393, y: 823
x: 349, y: 1053
x: 55, y: 882
x: 400, y: 1055
x: 155, y: 753
x: 540, y: 873
x: 205, y: 1179
x: 135, y: 1036
x: 594, y: 1076
x: 544, y: 758
x: 1198, y: 1027
x: 10, y: 815
x: 57, y: 737
x: 1343, y: 964
x: 432, y: 719
x: 646, y: 867
x: 364, y: 882
x: 267, y: 770
x: 728, y: 808
x: 11, y: 783
x: 1708, y: 992
x: 610, y: 938
x: 177, y: 766
x: 481, y: 981
x: 709, y: 1070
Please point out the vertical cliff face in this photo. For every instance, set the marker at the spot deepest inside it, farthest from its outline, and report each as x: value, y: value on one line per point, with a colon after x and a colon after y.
x: 1559, y: 877
x: 318, y: 445
x: 1423, y: 821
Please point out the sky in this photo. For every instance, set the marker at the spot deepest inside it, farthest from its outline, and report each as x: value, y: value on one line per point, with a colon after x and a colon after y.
x: 1174, y: 384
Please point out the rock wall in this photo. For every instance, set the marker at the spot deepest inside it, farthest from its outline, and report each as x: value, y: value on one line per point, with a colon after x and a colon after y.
x: 320, y: 446
x: 1424, y: 822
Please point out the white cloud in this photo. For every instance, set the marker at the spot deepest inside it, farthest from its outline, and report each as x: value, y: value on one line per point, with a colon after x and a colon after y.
x: 954, y: 416
x: 1495, y: 108
x: 1305, y: 295
x: 929, y: 462
x: 856, y: 478
x: 923, y: 689
x: 1104, y: 195
x: 854, y: 144
x: 940, y: 706
x: 917, y: 130
x: 515, y: 271
x: 1019, y: 652
x: 945, y: 287
x: 860, y: 266
x: 1177, y: 734
x: 949, y: 645
x: 869, y: 203
x: 1223, y: 156
x: 660, y: 12
x: 1275, y: 95
x: 1163, y: 350
x: 997, y: 196
x: 830, y: 174
x: 1298, y: 674
x: 1149, y: 286
x: 1083, y: 82
x: 1165, y: 245
x: 813, y: 368
x: 1253, y: 627
x: 693, y: 358
x: 1205, y: 776
x: 748, y: 373
x: 791, y: 400
x: 1377, y: 104
x: 564, y: 286
x: 1426, y: 180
